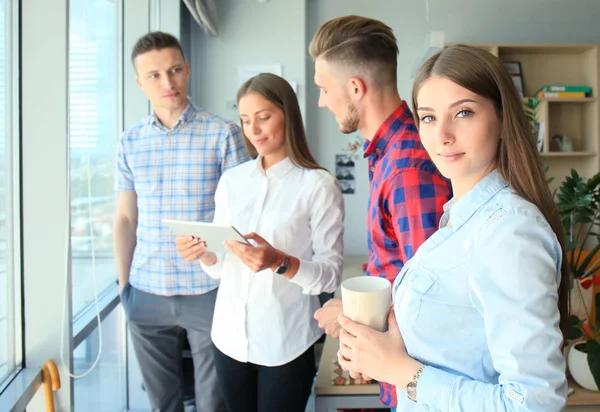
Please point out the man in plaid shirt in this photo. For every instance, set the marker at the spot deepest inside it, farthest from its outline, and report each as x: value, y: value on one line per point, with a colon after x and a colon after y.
x: 168, y: 167
x: 355, y: 69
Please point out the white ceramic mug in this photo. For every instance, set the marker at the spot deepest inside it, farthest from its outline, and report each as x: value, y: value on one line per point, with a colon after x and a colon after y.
x: 367, y: 300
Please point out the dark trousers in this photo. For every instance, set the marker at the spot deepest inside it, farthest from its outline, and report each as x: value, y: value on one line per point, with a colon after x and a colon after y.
x: 157, y: 325
x: 254, y: 388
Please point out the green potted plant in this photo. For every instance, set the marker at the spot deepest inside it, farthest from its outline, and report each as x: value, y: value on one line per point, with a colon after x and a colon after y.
x: 578, y: 203
x: 530, y: 106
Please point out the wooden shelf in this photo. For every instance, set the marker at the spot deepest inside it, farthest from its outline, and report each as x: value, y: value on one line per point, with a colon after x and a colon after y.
x: 568, y: 154
x: 582, y: 397
x: 545, y: 48
x: 569, y: 100
x: 563, y: 99
x: 533, y: 48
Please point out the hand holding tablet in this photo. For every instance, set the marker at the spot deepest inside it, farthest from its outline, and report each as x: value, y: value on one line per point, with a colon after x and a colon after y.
x: 214, y: 236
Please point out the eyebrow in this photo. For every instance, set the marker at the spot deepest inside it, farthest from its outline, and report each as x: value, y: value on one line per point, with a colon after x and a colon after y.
x: 170, y: 68
x: 257, y: 112
x: 453, y: 105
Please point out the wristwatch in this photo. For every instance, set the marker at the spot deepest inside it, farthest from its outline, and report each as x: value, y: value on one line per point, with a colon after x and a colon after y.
x: 284, y: 266
x: 411, y: 386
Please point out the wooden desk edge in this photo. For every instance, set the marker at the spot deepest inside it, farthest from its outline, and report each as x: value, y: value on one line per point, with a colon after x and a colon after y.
x: 582, y: 397
x: 323, y: 385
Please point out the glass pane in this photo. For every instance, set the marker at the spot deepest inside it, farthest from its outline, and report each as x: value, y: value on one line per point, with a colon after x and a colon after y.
x: 103, y: 389
x: 93, y: 128
x: 8, y: 276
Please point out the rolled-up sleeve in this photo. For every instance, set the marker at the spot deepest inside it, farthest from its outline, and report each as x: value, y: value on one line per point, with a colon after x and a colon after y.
x: 323, y: 273
x: 125, y: 181
x: 233, y: 150
x: 513, y: 283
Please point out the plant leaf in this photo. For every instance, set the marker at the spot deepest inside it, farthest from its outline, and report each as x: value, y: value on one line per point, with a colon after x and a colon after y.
x: 573, y: 329
x: 593, y: 358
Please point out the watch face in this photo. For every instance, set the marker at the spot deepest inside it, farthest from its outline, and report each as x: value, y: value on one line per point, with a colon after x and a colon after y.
x: 281, y: 270
x: 284, y: 266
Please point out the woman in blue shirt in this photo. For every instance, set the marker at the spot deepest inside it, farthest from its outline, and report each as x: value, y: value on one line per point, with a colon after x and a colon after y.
x: 475, y: 325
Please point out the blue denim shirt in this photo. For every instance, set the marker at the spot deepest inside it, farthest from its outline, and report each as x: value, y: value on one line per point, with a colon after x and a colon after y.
x: 477, y: 305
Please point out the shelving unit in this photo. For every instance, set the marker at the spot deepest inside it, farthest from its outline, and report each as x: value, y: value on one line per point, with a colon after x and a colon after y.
x: 561, y: 64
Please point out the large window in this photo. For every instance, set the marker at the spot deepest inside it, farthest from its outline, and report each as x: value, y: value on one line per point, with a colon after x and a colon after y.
x: 94, y: 44
x: 10, y: 274
x: 103, y: 389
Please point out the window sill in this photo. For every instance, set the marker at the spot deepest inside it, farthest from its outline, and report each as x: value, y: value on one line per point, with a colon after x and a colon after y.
x: 21, y: 390
x: 86, y: 322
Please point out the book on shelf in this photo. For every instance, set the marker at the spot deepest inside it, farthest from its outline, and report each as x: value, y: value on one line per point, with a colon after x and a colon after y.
x: 564, y: 88
x: 561, y: 95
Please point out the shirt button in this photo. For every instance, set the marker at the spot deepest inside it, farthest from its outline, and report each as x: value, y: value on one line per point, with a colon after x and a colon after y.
x: 373, y: 169
x: 378, y: 151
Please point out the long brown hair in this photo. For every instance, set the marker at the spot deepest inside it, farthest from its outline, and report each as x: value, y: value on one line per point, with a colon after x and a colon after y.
x: 517, y: 159
x: 279, y: 92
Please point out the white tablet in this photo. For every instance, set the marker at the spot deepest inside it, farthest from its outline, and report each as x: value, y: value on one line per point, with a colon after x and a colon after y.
x: 214, y: 235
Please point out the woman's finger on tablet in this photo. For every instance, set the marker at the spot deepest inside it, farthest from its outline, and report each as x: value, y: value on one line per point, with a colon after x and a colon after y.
x: 185, y: 240
x: 182, y: 244
x: 193, y: 252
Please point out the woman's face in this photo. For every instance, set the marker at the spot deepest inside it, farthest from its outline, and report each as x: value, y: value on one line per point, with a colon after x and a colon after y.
x: 460, y: 130
x: 263, y: 124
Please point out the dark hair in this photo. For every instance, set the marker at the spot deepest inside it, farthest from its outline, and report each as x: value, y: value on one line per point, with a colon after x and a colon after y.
x: 518, y: 160
x: 156, y: 40
x: 279, y: 92
x: 363, y: 45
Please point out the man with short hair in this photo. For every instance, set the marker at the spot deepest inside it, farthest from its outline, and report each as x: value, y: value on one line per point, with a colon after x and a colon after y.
x: 355, y: 69
x: 169, y: 165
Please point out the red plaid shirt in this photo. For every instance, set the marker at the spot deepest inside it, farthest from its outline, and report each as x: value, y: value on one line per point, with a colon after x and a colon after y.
x: 406, y: 200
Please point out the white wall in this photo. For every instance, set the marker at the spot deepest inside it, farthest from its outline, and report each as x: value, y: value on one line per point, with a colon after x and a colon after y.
x: 262, y: 33
x: 249, y: 33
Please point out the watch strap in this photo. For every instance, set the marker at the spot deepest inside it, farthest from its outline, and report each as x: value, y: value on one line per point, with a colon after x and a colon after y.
x: 284, y: 266
x: 411, y: 386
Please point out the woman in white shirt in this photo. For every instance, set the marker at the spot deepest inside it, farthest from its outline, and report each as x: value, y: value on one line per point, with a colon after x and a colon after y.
x: 263, y: 327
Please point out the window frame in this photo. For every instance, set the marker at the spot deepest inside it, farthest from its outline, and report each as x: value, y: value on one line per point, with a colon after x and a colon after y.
x: 12, y: 183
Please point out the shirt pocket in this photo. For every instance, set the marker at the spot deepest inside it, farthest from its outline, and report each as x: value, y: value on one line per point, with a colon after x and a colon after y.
x: 148, y: 176
x: 418, y: 289
x: 196, y: 179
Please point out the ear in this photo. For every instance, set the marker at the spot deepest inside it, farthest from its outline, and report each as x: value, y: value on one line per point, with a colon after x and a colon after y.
x: 357, y: 88
x: 139, y: 83
x: 187, y: 69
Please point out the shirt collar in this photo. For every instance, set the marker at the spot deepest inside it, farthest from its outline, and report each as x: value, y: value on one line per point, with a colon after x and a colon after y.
x: 460, y: 211
x: 188, y: 115
x: 388, y: 130
x: 279, y: 170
